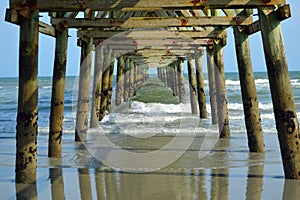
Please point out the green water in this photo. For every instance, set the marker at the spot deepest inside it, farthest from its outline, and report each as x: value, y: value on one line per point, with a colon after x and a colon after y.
x: 155, y: 92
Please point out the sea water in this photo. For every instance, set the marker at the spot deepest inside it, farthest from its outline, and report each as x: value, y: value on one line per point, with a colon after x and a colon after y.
x: 227, y: 170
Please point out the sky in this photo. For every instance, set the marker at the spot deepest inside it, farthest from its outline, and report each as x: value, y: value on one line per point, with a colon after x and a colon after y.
x: 9, y: 47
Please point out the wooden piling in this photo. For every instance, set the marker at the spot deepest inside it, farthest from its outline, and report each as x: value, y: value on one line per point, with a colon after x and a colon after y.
x: 58, y: 94
x: 165, y: 76
x: 223, y: 119
x: 126, y: 79
x: 97, y: 86
x: 27, y: 118
x: 83, y: 91
x: 84, y: 85
x: 200, y: 85
x: 120, y: 81
x: 105, y: 82
x: 192, y: 85
x: 131, y: 78
x: 175, y: 78
x: 110, y: 83
x: 181, y: 87
x: 249, y: 96
x: 282, y: 97
x: 212, y: 85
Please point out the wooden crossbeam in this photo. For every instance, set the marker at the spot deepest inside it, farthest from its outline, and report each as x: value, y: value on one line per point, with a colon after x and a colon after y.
x: 154, y: 34
x: 283, y: 13
x: 75, y: 5
x: 12, y: 16
x: 159, y: 43
x: 153, y: 22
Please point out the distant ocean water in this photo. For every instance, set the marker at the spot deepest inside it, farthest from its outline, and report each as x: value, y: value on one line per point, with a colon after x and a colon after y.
x: 9, y: 92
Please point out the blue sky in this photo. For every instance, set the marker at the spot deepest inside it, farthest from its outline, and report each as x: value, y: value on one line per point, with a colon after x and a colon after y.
x: 9, y: 40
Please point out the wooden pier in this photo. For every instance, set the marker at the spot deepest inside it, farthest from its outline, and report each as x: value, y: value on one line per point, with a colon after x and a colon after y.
x: 140, y: 34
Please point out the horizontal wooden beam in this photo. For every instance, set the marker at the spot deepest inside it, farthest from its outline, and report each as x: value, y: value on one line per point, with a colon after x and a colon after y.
x: 12, y: 16
x: 153, y: 22
x: 75, y: 5
x: 162, y: 43
x: 283, y: 13
x: 154, y: 34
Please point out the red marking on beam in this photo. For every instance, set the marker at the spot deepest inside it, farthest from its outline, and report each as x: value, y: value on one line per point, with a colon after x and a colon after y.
x: 195, y: 2
x: 238, y: 20
x: 210, y: 42
x: 28, y: 5
x: 266, y: 1
x: 184, y: 22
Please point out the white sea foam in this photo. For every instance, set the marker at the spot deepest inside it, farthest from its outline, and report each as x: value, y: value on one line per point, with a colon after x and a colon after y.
x: 232, y: 82
x: 47, y: 87
x: 139, y: 107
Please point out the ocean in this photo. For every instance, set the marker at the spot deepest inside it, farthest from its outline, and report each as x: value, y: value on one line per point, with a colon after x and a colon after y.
x: 227, y: 163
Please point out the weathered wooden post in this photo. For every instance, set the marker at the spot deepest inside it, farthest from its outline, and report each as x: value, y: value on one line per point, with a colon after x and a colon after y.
x: 200, y: 84
x: 105, y: 82
x: 131, y: 78
x: 249, y: 96
x: 181, y: 89
x: 159, y: 76
x: 27, y: 118
x: 126, y: 79
x: 97, y: 86
x: 223, y: 119
x: 175, y: 78
x: 192, y: 84
x: 83, y: 91
x: 212, y: 85
x: 282, y: 97
x: 84, y: 86
x: 170, y: 77
x: 120, y: 81
x: 135, y: 82
x: 58, y: 94
x: 110, y: 83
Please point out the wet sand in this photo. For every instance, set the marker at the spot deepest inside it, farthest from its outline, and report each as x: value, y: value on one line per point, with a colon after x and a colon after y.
x: 228, y: 172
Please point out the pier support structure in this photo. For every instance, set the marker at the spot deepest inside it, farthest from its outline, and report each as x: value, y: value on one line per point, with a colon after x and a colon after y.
x: 105, y: 82
x: 181, y: 87
x: 192, y: 85
x: 120, y: 81
x: 281, y: 92
x: 83, y: 91
x: 58, y: 93
x: 200, y: 85
x: 97, y: 86
x: 212, y: 85
x: 111, y: 80
x: 27, y: 118
x: 223, y: 119
x: 248, y: 89
x: 126, y: 79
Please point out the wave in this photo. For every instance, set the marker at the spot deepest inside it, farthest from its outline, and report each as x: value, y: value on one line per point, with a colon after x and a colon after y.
x: 139, y: 107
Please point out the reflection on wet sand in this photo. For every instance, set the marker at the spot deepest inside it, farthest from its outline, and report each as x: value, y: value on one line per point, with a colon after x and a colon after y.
x: 217, y: 177
x: 26, y: 191
x: 57, y: 183
x: 85, y: 184
x: 255, y: 178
